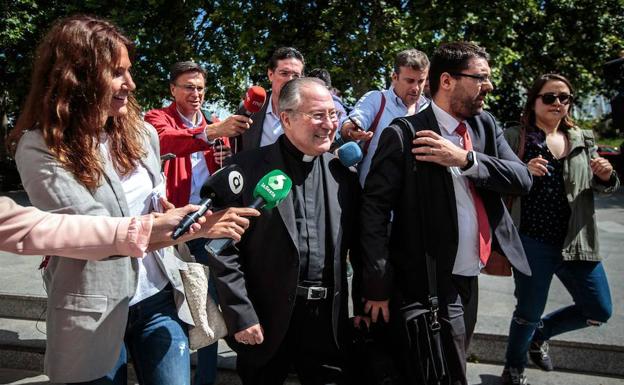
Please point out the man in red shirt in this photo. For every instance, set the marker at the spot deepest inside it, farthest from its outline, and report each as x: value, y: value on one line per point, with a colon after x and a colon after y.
x: 185, y: 131
x: 200, y: 147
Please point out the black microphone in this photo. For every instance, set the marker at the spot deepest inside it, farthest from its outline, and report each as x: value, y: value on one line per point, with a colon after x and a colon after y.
x: 221, y: 188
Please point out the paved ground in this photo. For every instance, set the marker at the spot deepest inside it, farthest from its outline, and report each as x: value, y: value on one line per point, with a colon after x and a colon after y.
x: 478, y: 374
x: 496, y: 302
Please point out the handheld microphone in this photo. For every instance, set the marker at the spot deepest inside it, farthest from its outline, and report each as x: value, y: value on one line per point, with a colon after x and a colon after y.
x: 223, y: 187
x: 254, y: 100
x: 269, y: 192
x: 349, y: 154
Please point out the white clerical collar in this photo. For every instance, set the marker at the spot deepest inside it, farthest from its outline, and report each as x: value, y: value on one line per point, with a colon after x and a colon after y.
x: 308, y: 158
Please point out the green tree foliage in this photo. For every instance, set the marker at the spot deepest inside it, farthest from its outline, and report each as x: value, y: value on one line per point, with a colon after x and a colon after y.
x: 354, y: 40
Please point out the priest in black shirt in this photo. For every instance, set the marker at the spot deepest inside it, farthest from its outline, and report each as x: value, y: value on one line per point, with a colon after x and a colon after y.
x: 283, y: 290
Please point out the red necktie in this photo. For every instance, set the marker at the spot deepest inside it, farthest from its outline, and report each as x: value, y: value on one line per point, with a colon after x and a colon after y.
x: 485, y: 238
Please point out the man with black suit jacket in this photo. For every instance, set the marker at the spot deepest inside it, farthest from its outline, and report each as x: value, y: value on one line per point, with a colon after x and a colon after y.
x: 285, y: 64
x: 441, y: 172
x: 284, y: 291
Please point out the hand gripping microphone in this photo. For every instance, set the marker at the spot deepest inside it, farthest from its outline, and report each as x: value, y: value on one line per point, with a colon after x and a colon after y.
x: 349, y: 154
x: 269, y: 192
x: 254, y: 100
x: 223, y: 187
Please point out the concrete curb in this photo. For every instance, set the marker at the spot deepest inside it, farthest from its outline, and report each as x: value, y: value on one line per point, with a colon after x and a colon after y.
x: 567, y: 355
x: 22, y: 306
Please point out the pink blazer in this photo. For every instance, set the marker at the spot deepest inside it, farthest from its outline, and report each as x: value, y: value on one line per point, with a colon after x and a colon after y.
x: 27, y: 230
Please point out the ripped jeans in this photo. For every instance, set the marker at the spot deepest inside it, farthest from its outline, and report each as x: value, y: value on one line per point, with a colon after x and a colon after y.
x: 586, y: 282
x: 158, y: 342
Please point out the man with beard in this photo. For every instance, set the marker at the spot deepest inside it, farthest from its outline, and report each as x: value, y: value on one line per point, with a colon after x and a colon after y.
x: 376, y: 109
x: 442, y: 173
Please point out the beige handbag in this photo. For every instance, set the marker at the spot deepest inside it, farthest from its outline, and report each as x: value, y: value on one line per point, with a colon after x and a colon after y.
x: 209, y: 324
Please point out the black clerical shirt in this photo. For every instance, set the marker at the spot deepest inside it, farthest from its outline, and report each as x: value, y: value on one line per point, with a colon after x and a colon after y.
x: 308, y: 196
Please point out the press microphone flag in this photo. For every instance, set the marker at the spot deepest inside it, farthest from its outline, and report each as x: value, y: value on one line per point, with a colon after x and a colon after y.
x: 349, y: 154
x: 269, y: 192
x: 221, y: 188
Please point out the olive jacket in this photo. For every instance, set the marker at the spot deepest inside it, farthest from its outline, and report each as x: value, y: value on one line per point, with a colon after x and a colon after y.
x: 581, y: 241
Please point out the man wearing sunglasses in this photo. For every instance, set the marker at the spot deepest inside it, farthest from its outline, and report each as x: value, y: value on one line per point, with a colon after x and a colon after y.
x: 442, y: 173
x: 285, y: 64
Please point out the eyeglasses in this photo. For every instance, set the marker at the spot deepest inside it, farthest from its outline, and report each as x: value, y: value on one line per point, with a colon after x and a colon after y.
x: 288, y: 74
x: 550, y: 97
x: 191, y: 88
x: 480, y: 78
x: 319, y: 117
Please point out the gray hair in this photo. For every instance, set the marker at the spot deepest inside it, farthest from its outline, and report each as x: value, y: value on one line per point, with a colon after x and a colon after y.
x: 290, y: 94
x: 411, y: 58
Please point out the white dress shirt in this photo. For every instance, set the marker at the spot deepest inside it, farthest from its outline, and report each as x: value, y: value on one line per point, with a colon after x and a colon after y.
x: 467, y: 261
x: 199, y: 167
x: 272, y: 126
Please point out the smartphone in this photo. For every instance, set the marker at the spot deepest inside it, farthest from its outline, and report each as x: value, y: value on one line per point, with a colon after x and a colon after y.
x: 218, y: 146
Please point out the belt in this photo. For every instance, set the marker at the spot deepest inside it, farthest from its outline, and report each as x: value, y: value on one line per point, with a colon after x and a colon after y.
x: 312, y: 293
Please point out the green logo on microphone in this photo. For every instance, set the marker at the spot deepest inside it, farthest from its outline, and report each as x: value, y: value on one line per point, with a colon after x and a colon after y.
x: 273, y: 188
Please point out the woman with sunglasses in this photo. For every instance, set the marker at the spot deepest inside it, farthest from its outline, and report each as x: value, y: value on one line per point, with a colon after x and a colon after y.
x: 557, y: 225
x: 82, y: 148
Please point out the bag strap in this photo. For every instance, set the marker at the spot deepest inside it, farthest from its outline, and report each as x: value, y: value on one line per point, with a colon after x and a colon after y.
x: 432, y: 284
x: 373, y: 126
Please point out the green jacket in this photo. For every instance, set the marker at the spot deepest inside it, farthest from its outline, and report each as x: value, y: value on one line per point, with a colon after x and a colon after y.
x: 581, y: 242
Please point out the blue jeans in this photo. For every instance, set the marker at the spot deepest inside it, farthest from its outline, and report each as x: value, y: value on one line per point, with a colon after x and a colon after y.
x: 158, y: 342
x: 206, y: 371
x: 586, y: 282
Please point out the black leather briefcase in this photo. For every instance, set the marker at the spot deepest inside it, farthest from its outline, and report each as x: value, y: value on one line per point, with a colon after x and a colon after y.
x: 423, y: 355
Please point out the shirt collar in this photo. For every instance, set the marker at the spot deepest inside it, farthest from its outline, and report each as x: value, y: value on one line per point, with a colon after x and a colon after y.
x: 421, y: 103
x: 445, y: 120
x: 269, y: 109
x: 397, y: 100
x: 189, y: 123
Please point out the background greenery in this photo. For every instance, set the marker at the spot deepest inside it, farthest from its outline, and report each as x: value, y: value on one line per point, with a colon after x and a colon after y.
x: 354, y: 40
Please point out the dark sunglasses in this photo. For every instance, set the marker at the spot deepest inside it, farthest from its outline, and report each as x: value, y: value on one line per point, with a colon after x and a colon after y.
x: 550, y: 97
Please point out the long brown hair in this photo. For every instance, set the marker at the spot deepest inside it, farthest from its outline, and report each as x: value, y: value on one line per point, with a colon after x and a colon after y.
x: 528, y: 113
x: 70, y: 96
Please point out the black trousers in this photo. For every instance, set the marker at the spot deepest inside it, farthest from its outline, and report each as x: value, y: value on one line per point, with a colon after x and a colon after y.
x: 308, y: 348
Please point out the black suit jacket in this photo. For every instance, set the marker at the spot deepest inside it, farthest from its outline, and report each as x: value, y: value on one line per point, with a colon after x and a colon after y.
x: 258, y: 283
x: 422, y: 196
x: 251, y: 138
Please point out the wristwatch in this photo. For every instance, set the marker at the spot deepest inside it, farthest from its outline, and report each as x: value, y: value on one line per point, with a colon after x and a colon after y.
x: 469, y: 160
